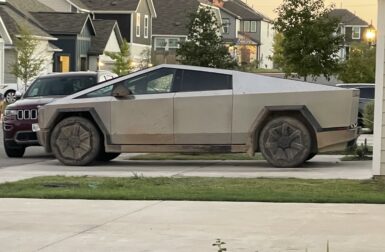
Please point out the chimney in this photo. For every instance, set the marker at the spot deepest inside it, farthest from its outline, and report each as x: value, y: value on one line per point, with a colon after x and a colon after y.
x: 217, y: 3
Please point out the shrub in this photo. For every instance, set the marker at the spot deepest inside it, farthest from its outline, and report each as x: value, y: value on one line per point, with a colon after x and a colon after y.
x: 369, y: 116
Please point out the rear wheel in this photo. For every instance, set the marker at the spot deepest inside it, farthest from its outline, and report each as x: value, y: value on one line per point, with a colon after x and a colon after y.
x: 13, y: 150
x: 75, y: 141
x: 285, y: 142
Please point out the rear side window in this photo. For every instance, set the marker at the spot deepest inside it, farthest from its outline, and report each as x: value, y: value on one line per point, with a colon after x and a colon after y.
x: 60, y: 85
x: 204, y: 81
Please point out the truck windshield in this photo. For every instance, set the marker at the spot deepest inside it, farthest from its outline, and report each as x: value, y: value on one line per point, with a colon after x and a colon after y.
x: 60, y: 85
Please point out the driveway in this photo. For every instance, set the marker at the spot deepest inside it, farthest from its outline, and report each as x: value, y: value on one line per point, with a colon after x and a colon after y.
x: 85, y: 225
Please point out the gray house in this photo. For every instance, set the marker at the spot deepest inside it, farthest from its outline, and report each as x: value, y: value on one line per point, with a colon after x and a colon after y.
x: 170, y: 26
x: 134, y: 17
x: 74, y: 32
x: 13, y: 15
x: 352, y: 27
x: 249, y: 33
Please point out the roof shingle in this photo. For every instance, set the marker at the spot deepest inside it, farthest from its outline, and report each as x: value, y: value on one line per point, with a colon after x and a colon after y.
x: 103, y: 29
x: 347, y: 17
x: 107, y: 5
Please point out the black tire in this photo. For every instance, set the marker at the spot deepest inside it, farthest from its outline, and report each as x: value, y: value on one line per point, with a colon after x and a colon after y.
x: 285, y: 142
x: 13, y: 150
x: 312, y: 154
x: 75, y: 141
x: 106, y: 156
x: 10, y: 96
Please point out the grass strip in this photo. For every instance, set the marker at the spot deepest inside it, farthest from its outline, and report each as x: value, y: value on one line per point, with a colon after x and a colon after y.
x: 202, y: 189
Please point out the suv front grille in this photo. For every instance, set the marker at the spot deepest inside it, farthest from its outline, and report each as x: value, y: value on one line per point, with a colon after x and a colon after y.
x: 28, y: 114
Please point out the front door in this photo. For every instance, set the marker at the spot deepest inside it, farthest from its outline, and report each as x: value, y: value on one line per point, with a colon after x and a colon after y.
x: 146, y: 117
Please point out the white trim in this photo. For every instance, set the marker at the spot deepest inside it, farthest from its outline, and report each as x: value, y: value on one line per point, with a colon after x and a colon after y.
x: 168, y: 35
x: 40, y: 37
x: 137, y: 16
x: 112, y: 12
x: 362, y: 26
x: 77, y: 7
x: 379, y: 96
x: 144, y: 26
x: 132, y: 29
x: 4, y: 33
x: 136, y: 44
x: 152, y: 7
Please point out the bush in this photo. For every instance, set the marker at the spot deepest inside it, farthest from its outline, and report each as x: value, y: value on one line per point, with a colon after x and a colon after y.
x: 368, y: 116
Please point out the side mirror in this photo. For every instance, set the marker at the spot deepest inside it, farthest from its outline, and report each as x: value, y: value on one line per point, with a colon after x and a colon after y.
x: 121, y: 91
x: 18, y: 95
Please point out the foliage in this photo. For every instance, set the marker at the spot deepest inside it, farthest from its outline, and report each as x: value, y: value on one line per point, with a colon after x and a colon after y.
x: 29, y: 62
x: 369, y: 116
x: 145, y: 59
x: 278, y: 58
x: 204, y: 45
x: 360, y: 67
x: 252, y: 67
x: 123, y: 63
x: 310, y: 43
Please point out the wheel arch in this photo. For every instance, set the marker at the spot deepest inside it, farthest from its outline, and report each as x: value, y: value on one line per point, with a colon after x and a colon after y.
x: 88, y: 113
x: 300, y: 112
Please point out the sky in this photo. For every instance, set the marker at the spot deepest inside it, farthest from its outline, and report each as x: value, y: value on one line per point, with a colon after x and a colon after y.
x: 366, y: 9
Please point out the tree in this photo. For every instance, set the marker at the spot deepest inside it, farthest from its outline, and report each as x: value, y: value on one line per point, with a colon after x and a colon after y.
x: 29, y: 63
x: 360, y: 67
x: 278, y: 58
x: 204, y: 45
x: 123, y: 62
x: 310, y: 42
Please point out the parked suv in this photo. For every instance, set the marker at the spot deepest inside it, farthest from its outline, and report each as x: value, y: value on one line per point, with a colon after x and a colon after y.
x: 367, y: 93
x: 21, y: 115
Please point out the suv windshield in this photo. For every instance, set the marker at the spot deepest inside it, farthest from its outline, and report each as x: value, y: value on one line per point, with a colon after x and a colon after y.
x: 60, y: 85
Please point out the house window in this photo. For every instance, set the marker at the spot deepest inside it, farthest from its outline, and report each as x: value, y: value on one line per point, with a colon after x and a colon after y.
x: 356, y: 32
x: 166, y: 43
x: 246, y: 26
x: 253, y: 26
x: 146, y: 26
x: 226, y: 25
x: 160, y: 43
x: 138, y: 24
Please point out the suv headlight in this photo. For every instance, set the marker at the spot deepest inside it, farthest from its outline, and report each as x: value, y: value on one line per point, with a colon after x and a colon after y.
x: 9, y: 112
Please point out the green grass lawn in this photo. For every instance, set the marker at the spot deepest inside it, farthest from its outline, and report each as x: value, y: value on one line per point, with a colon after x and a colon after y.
x: 203, y: 189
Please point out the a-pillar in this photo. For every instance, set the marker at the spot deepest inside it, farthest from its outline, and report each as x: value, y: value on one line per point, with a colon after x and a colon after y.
x: 379, y: 114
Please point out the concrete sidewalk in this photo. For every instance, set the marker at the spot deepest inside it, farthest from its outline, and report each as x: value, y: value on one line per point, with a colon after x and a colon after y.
x: 79, y: 225
x: 320, y: 167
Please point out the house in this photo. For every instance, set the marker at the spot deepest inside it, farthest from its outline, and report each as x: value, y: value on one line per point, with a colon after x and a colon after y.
x: 170, y: 26
x: 134, y: 18
x: 14, y: 14
x: 352, y: 27
x: 74, y: 38
x: 108, y: 39
x: 249, y: 33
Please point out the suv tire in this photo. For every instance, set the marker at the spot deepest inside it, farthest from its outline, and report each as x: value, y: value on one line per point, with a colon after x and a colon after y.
x: 285, y: 142
x: 75, y: 141
x: 13, y: 150
x: 107, y: 156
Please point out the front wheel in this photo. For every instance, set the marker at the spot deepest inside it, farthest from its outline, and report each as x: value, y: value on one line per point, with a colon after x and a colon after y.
x: 285, y: 142
x: 75, y: 141
x: 13, y: 150
x: 10, y: 96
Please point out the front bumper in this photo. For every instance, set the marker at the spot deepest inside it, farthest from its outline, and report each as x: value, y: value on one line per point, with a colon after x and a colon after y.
x: 42, y: 137
x: 336, y: 140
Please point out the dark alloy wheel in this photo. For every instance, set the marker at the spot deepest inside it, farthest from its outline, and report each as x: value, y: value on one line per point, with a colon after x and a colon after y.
x: 75, y: 141
x: 13, y: 150
x: 285, y: 142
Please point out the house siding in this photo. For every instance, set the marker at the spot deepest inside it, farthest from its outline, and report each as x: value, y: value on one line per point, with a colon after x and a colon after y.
x: 267, y: 36
x: 124, y: 22
x: 143, y: 9
x: 68, y: 46
x: 232, y: 27
x: 9, y: 60
x: 253, y: 35
x: 83, y: 45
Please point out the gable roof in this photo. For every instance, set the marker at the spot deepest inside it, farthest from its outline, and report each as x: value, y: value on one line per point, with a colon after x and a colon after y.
x: 60, y: 23
x: 348, y: 18
x: 242, y: 10
x: 13, y: 21
x: 172, y: 16
x: 103, y: 29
